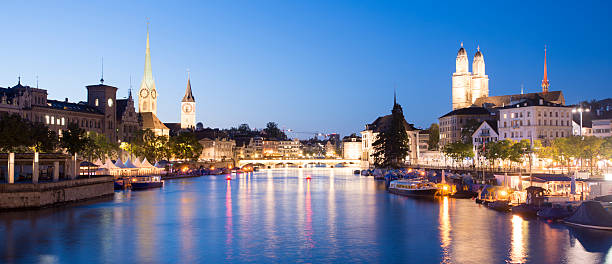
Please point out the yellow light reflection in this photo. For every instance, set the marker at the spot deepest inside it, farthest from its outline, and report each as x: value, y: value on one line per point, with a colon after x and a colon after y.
x: 445, y: 229
x: 518, y: 252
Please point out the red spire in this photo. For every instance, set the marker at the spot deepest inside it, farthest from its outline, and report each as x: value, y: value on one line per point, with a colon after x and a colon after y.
x: 545, y: 83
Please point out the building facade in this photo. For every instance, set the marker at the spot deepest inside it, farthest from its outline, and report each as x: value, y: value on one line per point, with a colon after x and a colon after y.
x: 602, y: 127
x: 531, y: 119
x: 467, y: 86
x: 351, y: 147
x: 217, y: 149
x: 98, y: 114
x: 486, y: 132
x: 453, y: 123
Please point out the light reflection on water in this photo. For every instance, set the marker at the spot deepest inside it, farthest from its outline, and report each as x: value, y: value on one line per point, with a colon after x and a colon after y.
x: 281, y: 216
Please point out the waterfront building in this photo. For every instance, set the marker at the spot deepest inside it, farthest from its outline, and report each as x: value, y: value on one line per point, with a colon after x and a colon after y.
x: 467, y: 86
x: 330, y: 149
x: 453, y: 123
x: 486, y: 132
x: 147, y: 98
x: 281, y: 148
x: 586, y: 128
x: 351, y: 147
x: 188, y: 110
x: 101, y: 113
x: 534, y: 119
x: 217, y: 149
x: 371, y: 132
x: 602, y: 127
x: 254, y: 149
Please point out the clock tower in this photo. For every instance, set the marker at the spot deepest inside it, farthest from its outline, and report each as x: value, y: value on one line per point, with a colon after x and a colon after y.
x: 188, y: 104
x: 147, y: 94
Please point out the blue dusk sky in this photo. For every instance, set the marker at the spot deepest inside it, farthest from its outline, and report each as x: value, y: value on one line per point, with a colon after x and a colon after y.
x: 312, y: 66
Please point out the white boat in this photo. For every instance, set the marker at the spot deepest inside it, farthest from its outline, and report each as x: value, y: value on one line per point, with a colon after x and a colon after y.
x: 413, y: 187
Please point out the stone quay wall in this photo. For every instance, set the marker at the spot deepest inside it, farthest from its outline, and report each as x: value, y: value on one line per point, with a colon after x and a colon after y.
x: 29, y: 195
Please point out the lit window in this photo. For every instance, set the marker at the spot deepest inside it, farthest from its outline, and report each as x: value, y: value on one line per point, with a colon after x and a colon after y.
x: 52, y: 120
x: 97, y: 102
x: 47, y: 119
x: 63, y: 121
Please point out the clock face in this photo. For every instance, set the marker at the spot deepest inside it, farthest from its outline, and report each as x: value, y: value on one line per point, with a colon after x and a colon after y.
x: 153, y: 94
x: 187, y: 108
x: 110, y: 102
x: 144, y: 93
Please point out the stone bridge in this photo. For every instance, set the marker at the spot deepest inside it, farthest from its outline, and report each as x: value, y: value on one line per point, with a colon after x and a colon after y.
x: 300, y: 163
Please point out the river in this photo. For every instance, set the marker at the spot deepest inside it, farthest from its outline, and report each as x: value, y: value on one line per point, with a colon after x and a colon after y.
x: 279, y: 216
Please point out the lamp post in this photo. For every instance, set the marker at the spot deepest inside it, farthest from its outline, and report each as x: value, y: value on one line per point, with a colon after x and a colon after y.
x: 580, y: 110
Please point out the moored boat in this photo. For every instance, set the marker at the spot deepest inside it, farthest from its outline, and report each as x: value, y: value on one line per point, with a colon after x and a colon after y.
x: 413, y: 187
x: 554, y: 213
x: 146, y: 182
x: 591, y: 214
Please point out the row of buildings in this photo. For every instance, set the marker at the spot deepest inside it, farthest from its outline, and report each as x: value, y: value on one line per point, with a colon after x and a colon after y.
x: 220, y: 148
x: 102, y: 112
x: 478, y: 118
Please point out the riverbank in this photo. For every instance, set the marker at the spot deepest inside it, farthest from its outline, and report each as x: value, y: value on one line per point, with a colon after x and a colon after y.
x: 29, y: 195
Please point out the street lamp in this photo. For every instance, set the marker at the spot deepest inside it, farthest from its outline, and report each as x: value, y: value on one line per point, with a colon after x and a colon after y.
x: 580, y: 110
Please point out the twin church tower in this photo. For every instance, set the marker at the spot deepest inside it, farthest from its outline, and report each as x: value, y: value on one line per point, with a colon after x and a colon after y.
x: 467, y: 87
x: 147, y: 99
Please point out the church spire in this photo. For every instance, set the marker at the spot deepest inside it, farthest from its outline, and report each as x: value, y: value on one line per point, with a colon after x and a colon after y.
x: 545, y: 83
x: 147, y: 94
x: 188, y: 95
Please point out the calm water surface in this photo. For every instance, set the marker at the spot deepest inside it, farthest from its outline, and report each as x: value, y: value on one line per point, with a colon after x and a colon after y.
x: 279, y: 216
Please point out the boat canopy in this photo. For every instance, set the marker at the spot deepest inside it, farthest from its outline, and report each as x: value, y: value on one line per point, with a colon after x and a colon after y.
x: 591, y: 213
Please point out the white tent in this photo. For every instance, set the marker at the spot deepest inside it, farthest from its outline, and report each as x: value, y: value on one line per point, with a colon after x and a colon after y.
x: 145, y: 164
x: 98, y: 163
x: 119, y: 163
x: 109, y: 164
x: 137, y: 162
x: 129, y: 165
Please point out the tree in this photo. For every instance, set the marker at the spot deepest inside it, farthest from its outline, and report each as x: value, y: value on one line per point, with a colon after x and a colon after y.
x: 468, y: 129
x: 99, y: 147
x: 273, y: 132
x: 392, y: 145
x: 434, y: 137
x: 244, y: 129
x: 147, y: 144
x: 42, y: 139
x: 74, y: 140
x: 458, y: 151
x: 185, y: 146
x: 14, y: 133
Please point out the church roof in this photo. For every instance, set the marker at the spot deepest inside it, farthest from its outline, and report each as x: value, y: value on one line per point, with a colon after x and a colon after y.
x: 468, y: 111
x: 384, y: 122
x: 188, y: 95
x: 150, y: 121
x: 503, y: 100
x: 80, y: 107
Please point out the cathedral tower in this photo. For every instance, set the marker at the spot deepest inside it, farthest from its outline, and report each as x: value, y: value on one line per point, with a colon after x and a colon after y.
x: 480, y: 81
x: 461, y: 81
x: 545, y: 83
x: 147, y: 95
x: 188, y: 104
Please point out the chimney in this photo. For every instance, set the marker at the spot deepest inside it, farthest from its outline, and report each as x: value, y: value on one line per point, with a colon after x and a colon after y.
x: 66, y: 100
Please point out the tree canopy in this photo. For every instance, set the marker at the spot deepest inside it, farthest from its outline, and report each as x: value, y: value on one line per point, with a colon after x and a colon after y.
x: 392, y: 145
